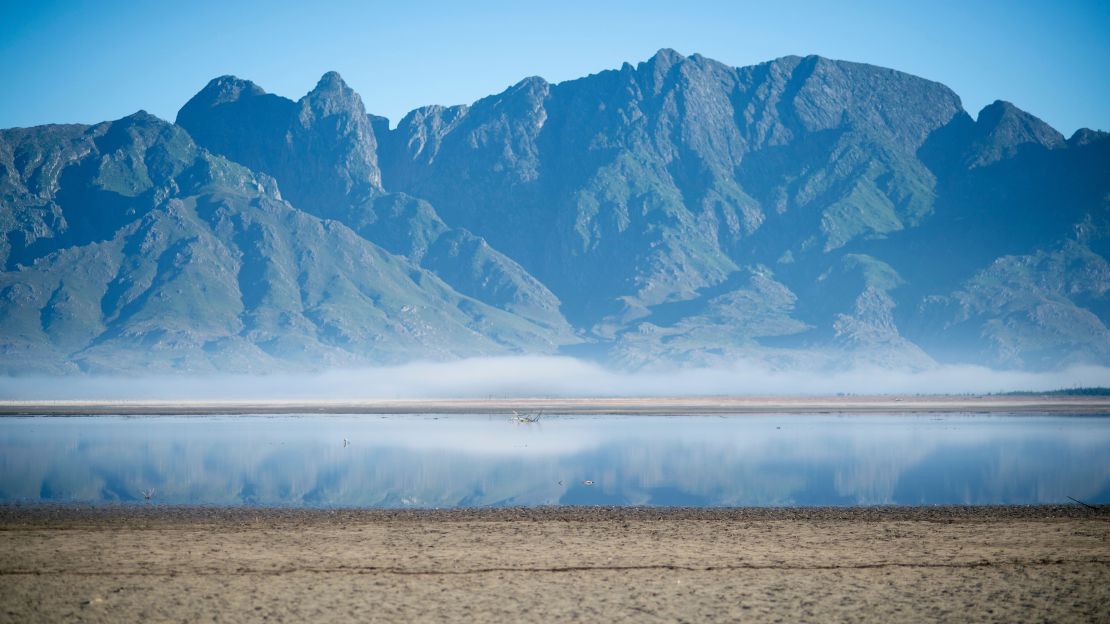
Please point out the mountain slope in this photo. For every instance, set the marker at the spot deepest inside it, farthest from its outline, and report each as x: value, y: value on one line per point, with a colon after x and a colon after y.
x: 635, y: 189
x: 801, y: 212
x: 161, y: 255
x: 659, y: 174
x: 322, y: 151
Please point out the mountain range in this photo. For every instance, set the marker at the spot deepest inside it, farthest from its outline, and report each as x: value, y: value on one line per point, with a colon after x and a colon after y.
x: 801, y: 212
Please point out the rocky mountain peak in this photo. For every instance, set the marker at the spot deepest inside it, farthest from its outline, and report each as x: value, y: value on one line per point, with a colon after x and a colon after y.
x: 531, y: 84
x: 332, y: 96
x: 141, y: 116
x: 226, y: 89
x: 136, y: 132
x: 321, y: 149
x: 1004, y: 117
x: 1002, y: 130
x: 656, y: 70
x: 664, y: 59
x: 1086, y: 136
x: 332, y: 86
x: 331, y: 80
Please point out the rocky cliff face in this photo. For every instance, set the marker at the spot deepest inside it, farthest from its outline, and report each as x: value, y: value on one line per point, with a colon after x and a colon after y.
x: 322, y: 150
x: 158, y: 255
x: 643, y: 186
x: 801, y: 211
x: 654, y: 187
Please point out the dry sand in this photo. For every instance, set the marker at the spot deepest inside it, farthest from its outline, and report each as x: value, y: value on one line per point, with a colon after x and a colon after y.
x: 590, y: 405
x: 591, y: 564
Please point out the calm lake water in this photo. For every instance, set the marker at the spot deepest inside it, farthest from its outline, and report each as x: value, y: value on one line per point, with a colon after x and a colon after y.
x: 465, y: 461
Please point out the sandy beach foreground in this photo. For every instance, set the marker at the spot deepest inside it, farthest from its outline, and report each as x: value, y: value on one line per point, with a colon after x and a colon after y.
x: 591, y: 564
x: 587, y: 405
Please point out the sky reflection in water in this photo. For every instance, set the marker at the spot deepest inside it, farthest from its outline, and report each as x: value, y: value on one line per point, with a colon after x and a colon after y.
x: 449, y: 461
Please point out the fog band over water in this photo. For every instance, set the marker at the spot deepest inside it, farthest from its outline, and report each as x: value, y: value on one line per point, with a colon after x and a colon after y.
x: 546, y: 376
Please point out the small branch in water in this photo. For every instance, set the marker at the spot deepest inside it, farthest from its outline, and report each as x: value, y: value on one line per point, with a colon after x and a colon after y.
x: 1084, y: 504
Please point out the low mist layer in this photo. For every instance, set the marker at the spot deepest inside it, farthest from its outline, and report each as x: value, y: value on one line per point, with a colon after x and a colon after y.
x: 545, y: 377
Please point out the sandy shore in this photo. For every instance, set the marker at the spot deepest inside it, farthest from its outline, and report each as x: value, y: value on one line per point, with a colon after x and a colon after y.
x: 624, y: 405
x: 591, y: 564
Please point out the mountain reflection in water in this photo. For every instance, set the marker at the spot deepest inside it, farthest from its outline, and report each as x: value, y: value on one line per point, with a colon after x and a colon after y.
x: 451, y: 461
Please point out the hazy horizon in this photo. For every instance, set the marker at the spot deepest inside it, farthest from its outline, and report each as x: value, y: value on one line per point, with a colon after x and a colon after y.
x: 538, y: 376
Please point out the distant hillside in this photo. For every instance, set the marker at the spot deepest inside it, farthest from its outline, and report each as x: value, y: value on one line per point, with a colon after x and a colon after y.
x: 1066, y: 392
x: 804, y: 211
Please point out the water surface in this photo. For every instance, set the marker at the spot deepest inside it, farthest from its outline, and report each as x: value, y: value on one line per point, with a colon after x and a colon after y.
x: 456, y: 460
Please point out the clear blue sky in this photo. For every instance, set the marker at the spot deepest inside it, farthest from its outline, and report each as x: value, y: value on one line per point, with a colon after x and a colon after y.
x: 91, y: 61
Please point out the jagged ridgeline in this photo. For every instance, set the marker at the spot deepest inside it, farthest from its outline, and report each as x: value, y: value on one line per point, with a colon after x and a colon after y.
x: 801, y: 212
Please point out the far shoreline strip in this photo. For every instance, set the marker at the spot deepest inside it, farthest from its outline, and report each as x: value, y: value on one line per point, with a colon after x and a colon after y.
x: 646, y: 406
